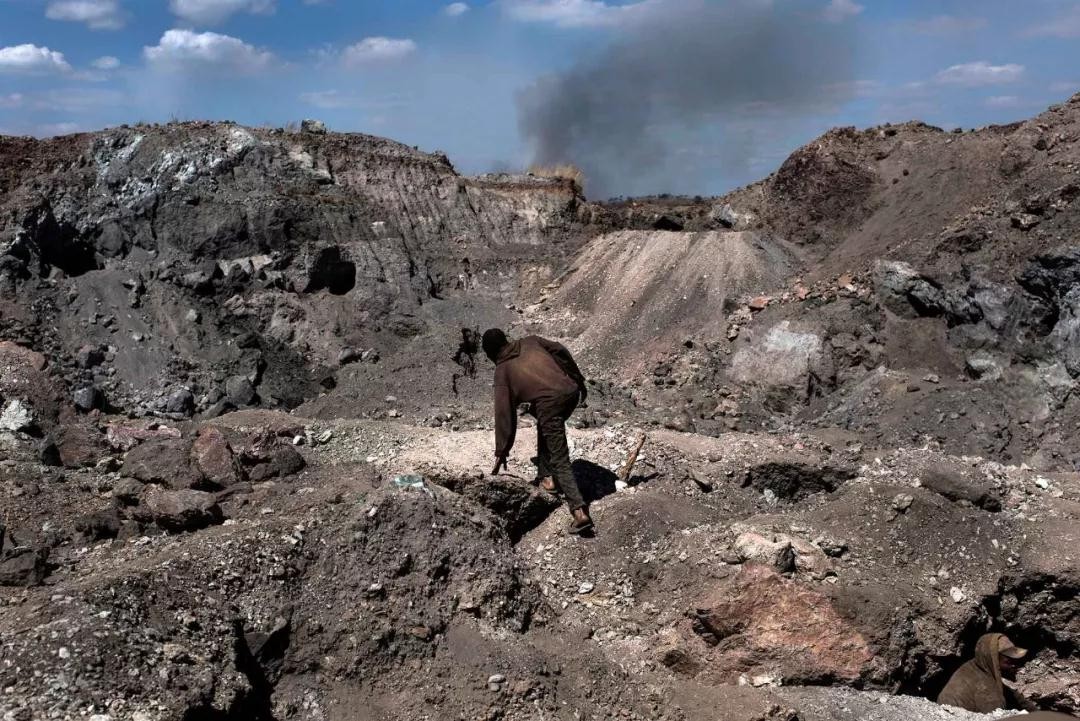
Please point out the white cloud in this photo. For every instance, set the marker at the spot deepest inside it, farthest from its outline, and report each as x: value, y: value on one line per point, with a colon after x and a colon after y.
x: 183, y: 49
x: 213, y: 12
x: 31, y: 59
x: 949, y: 25
x: 13, y: 100
x: 378, y: 49
x: 456, y: 9
x: 97, y: 14
x: 107, y: 62
x: 981, y: 73
x: 840, y: 10
x: 1066, y: 26
x: 576, y: 13
x: 1003, y: 101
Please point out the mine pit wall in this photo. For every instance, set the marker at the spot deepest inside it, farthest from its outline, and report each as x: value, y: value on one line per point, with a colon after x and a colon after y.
x: 185, y: 213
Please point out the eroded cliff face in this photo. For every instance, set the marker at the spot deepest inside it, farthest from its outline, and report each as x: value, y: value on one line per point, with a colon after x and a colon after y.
x: 250, y: 252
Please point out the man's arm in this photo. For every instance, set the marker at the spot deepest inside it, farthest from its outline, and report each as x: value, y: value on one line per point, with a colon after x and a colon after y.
x: 1016, y: 700
x: 566, y: 361
x: 505, y: 418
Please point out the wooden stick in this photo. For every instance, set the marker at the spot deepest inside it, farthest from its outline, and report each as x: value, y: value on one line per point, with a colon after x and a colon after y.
x: 624, y: 472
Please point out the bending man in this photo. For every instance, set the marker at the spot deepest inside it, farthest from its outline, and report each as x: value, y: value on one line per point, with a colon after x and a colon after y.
x: 543, y: 374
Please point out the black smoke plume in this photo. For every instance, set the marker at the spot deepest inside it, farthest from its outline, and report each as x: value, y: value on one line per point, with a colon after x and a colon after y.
x: 675, y: 67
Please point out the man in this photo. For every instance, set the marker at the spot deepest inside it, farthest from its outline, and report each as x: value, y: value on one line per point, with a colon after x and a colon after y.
x: 543, y: 374
x: 977, y: 685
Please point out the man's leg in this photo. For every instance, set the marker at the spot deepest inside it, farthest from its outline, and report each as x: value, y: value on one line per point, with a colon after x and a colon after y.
x: 551, y: 424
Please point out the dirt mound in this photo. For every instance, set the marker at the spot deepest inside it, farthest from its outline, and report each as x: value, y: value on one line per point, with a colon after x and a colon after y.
x: 633, y: 294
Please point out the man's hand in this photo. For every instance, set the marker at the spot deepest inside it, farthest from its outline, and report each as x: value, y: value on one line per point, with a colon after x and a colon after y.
x: 500, y: 462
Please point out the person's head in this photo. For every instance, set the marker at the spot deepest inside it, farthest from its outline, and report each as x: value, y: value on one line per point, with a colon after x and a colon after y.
x: 1010, y: 656
x: 494, y: 341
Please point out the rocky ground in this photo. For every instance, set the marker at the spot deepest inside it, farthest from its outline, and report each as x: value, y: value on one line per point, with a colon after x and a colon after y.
x: 244, y: 431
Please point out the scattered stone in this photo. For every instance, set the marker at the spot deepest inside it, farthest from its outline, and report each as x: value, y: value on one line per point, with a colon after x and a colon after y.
x: 181, y: 402
x: 585, y: 588
x: 1025, y: 221
x: 348, y: 355
x: 87, y: 399
x: 754, y: 548
x: 193, y: 316
x: 89, y: 356
x: 902, y: 502
x: 760, y: 302
x: 315, y: 127
x: 957, y: 595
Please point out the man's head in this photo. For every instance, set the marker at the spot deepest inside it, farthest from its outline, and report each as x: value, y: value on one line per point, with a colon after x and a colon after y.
x: 494, y: 341
x: 1010, y: 656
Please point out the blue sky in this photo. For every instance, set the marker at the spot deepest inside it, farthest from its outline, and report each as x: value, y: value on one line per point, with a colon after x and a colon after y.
x: 449, y: 76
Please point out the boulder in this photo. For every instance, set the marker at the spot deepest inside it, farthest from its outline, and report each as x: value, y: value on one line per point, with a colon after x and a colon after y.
x: 181, y: 402
x: 78, y: 444
x: 16, y: 417
x: 984, y: 366
x: 98, y: 526
x: 87, y: 399
x: 957, y: 485
x: 788, y: 356
x: 279, y: 462
x: 761, y: 623
x: 167, y: 462
x: 755, y: 548
x: 214, y: 457
x: 239, y: 391
x: 315, y: 127
x: 179, y: 511
x: 27, y: 568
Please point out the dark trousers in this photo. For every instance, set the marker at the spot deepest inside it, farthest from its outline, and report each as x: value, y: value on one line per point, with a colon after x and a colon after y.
x: 551, y: 447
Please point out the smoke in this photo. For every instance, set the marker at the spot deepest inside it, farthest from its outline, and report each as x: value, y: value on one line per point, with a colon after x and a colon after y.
x: 680, y: 68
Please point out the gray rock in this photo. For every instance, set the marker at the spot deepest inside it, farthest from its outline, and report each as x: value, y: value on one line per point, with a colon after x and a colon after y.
x: 127, y: 491
x: 315, y: 127
x: 984, y: 366
x: 348, y: 355
x: 239, y: 391
x: 193, y: 316
x: 28, y: 568
x: 87, y: 399
x: 181, y: 401
x: 1025, y: 221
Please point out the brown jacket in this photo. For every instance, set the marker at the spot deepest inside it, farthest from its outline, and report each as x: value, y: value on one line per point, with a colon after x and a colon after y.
x: 977, y: 685
x: 526, y: 371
